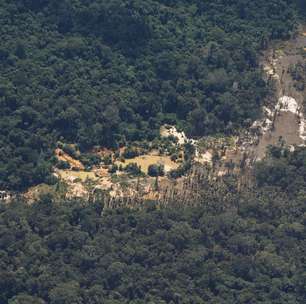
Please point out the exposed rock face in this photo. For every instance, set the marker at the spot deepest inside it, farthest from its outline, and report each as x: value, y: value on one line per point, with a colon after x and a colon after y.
x: 167, y: 131
x: 287, y: 104
x: 6, y: 196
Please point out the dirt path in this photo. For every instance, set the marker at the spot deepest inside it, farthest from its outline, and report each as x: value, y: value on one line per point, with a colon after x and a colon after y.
x: 286, y: 115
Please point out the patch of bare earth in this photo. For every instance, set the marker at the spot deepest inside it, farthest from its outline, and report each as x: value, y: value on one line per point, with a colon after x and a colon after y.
x: 286, y: 124
x: 63, y: 156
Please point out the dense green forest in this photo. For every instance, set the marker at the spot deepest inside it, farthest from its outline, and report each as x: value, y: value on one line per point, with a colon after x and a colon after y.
x: 235, y: 247
x: 97, y: 72
x: 106, y: 72
x: 302, y: 7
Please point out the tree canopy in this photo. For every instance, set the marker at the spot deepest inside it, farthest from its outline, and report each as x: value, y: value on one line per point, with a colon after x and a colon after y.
x: 106, y: 72
x: 243, y: 247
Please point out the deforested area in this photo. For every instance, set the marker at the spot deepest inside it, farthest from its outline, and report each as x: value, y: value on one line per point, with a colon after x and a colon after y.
x: 152, y: 152
x: 108, y: 73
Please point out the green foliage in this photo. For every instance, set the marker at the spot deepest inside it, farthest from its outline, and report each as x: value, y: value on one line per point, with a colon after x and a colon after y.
x: 130, y: 152
x: 108, y: 72
x: 156, y: 170
x: 298, y: 73
x: 89, y: 159
x: 189, y: 151
x: 302, y: 7
x: 181, y: 170
x: 133, y: 169
x: 283, y: 169
x: 232, y: 247
x: 63, y: 165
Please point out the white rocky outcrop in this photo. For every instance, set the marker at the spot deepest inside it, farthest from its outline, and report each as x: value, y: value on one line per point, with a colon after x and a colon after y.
x: 287, y: 104
x: 167, y: 131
